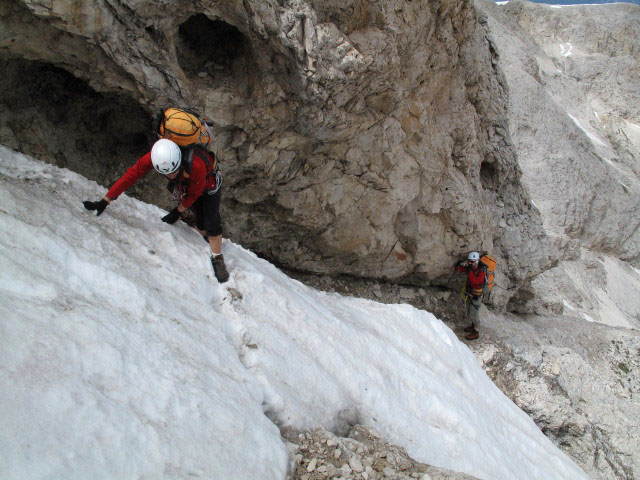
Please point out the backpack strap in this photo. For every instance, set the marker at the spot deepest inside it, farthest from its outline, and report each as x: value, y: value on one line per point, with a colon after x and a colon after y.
x: 204, y: 155
x: 159, y: 120
x: 187, y: 163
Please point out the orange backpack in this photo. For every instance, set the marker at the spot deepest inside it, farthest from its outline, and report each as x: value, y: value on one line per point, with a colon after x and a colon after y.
x: 490, y: 265
x: 184, y: 127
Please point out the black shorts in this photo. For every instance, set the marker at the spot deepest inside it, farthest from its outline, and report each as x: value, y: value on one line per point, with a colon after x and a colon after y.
x: 207, y: 209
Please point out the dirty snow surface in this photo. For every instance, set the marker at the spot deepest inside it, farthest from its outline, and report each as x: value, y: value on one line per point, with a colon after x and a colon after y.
x: 122, y: 357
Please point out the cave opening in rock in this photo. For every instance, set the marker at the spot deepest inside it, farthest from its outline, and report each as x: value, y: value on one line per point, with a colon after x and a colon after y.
x: 48, y: 113
x: 209, y: 47
x: 488, y: 176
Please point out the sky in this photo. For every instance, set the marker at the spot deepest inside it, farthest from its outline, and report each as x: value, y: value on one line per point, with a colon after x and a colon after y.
x: 122, y: 357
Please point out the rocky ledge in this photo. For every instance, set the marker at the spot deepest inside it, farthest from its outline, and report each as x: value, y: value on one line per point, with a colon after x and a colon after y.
x: 361, y: 455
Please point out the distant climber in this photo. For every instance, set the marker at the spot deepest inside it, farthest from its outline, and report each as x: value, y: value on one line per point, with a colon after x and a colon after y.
x: 475, y: 287
x: 195, y: 181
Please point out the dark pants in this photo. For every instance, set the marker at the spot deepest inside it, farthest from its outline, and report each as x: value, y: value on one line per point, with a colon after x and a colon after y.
x: 207, y: 209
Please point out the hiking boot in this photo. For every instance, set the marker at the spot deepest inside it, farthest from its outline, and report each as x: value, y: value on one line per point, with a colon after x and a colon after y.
x: 473, y: 335
x: 219, y: 268
x: 470, y: 328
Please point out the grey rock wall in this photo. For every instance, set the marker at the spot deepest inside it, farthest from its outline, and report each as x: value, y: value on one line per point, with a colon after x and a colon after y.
x: 358, y: 138
x: 573, y: 99
x: 574, y: 115
x: 578, y: 381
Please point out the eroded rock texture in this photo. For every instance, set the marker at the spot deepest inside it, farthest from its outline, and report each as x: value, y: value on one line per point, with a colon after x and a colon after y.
x: 574, y: 116
x: 358, y: 137
x: 578, y: 381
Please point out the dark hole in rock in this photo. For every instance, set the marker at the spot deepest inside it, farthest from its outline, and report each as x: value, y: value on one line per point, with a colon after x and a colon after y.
x: 156, y: 35
x: 48, y: 113
x: 488, y: 176
x: 209, y: 46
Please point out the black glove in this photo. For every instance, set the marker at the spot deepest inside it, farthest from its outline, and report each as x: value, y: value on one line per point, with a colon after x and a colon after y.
x: 99, y: 206
x: 172, y: 216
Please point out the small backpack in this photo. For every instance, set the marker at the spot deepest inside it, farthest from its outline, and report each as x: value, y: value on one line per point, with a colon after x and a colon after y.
x: 184, y: 127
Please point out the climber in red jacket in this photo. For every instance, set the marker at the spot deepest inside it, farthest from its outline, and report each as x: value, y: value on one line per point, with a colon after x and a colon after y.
x: 476, y: 281
x: 194, y: 180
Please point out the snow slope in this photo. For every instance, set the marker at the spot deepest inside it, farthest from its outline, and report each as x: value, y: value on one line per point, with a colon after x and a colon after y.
x: 122, y: 358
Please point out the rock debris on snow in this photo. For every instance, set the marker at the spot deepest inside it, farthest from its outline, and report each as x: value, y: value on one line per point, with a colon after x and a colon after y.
x: 363, y: 455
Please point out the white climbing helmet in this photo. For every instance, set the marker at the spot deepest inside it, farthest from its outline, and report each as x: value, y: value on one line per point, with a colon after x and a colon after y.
x: 474, y: 257
x: 165, y: 156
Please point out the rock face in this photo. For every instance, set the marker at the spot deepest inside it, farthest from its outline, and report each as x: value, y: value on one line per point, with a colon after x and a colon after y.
x: 579, y: 381
x: 594, y: 287
x: 359, y: 138
x: 574, y: 116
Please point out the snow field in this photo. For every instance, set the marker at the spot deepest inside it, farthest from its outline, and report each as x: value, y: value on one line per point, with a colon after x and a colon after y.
x: 123, y: 358
x: 111, y: 361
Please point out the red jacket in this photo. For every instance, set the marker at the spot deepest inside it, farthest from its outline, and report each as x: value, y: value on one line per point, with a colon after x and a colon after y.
x: 475, y: 278
x: 198, y: 180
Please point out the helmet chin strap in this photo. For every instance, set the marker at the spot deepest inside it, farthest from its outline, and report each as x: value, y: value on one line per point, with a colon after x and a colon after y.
x: 176, y: 173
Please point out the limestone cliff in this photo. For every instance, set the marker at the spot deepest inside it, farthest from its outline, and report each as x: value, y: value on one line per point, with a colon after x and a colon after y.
x: 572, y: 74
x: 364, y: 138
